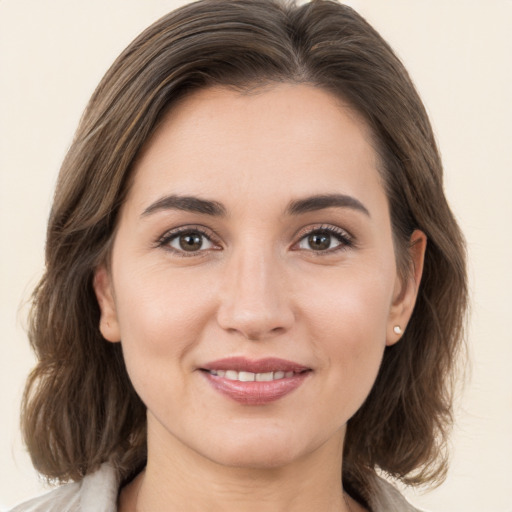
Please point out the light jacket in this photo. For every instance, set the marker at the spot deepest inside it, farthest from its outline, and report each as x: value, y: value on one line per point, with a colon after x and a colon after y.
x: 98, y: 492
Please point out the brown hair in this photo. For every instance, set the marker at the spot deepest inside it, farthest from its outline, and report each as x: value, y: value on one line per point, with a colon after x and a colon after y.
x: 80, y: 408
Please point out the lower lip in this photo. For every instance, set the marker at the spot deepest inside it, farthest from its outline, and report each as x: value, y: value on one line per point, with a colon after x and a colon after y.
x: 256, y: 392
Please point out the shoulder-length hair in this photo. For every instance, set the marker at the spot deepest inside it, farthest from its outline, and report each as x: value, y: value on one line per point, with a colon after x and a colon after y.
x: 79, y: 407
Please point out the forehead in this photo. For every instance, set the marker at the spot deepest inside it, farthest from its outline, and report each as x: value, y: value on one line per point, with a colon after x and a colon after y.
x: 286, y: 137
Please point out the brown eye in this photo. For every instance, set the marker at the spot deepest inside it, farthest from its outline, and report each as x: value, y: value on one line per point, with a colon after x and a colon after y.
x: 319, y: 241
x: 325, y: 240
x: 189, y: 241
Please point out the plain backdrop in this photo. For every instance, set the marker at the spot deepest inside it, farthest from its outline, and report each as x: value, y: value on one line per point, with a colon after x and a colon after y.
x: 459, y: 53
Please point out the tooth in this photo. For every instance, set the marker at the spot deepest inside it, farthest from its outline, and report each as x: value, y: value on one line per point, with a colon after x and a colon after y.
x: 263, y: 377
x: 250, y: 376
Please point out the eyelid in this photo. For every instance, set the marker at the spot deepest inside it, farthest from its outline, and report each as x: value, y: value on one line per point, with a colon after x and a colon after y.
x: 346, y: 239
x: 163, y: 240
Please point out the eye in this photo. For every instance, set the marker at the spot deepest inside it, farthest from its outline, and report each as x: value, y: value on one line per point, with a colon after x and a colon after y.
x: 187, y: 241
x: 325, y: 239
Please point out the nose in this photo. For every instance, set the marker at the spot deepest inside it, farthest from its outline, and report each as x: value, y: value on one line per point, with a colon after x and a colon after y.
x: 255, y: 301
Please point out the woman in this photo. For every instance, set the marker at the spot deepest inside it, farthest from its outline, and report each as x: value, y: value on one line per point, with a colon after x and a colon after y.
x: 255, y: 288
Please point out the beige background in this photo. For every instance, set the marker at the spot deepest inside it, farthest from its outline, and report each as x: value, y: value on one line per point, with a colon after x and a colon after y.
x: 459, y: 52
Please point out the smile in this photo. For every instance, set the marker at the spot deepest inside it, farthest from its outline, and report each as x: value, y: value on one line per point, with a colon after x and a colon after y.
x: 259, y: 382
x: 251, y: 377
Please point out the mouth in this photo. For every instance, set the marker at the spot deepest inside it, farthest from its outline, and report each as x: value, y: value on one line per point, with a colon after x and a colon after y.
x: 255, y: 382
x: 252, y: 377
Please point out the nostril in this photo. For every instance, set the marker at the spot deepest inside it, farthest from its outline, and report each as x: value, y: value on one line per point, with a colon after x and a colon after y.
x: 254, y: 315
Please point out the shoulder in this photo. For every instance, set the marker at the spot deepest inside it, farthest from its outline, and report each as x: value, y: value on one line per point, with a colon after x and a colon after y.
x: 65, y: 498
x: 97, y: 492
x: 385, y: 497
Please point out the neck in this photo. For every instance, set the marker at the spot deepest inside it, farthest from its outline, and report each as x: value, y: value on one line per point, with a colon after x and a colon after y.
x: 178, y: 478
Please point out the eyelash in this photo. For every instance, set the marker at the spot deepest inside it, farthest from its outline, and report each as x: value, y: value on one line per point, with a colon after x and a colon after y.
x: 345, y: 240
x: 165, y: 240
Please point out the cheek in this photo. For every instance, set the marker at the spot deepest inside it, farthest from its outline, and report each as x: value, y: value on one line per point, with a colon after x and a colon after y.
x: 347, y: 320
x: 151, y: 300
x: 352, y: 304
x: 161, y: 317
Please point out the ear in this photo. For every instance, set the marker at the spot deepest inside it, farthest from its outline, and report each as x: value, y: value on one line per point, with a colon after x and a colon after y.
x: 406, y: 291
x: 109, y: 325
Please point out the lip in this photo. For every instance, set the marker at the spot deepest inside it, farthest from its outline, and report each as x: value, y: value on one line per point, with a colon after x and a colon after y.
x: 255, y: 392
x: 268, y: 364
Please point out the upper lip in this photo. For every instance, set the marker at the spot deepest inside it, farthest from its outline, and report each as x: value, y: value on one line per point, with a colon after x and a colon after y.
x: 267, y: 364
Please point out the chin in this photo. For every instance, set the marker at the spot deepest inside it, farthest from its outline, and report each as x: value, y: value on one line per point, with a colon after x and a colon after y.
x: 254, y: 459
x: 262, y: 452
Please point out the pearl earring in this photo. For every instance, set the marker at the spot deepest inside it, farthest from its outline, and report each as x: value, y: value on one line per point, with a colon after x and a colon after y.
x: 397, y: 329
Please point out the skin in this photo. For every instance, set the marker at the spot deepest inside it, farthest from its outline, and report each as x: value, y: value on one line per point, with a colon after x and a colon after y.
x: 256, y: 288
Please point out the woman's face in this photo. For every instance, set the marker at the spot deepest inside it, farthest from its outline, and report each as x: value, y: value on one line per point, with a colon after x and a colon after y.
x: 253, y: 282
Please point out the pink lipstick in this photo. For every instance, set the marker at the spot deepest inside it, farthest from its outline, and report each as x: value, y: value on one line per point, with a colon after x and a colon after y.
x: 255, y: 382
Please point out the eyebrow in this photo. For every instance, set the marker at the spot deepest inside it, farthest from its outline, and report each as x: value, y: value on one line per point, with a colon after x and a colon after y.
x: 186, y: 203
x: 320, y: 202
x: 216, y: 209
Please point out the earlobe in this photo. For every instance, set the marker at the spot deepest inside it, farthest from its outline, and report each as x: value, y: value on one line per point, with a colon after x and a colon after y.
x: 406, y: 291
x: 102, y: 284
